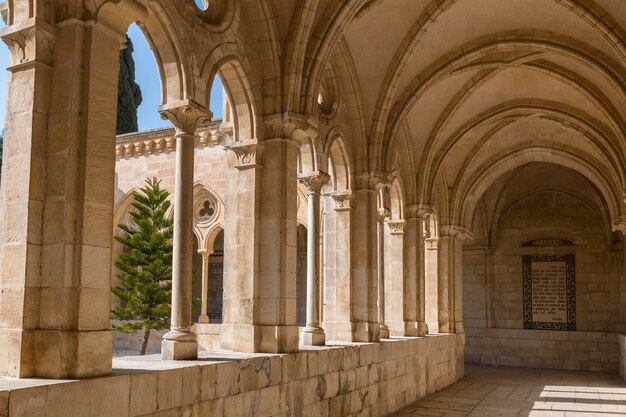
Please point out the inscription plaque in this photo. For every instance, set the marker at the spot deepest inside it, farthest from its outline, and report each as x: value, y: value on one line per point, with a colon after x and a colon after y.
x: 549, y: 292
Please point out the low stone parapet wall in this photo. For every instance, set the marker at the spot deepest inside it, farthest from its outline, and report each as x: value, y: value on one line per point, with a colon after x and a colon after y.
x: 549, y: 349
x: 372, y: 379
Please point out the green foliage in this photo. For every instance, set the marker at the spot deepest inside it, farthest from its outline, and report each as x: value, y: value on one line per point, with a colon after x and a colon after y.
x: 145, y: 265
x: 128, y: 92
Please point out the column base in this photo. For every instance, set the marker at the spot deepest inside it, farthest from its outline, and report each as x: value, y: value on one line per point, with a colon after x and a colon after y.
x: 384, y: 331
x: 444, y: 327
x: 457, y: 327
x: 179, y: 345
x: 258, y: 338
x: 365, y: 331
x: 422, y: 329
x: 55, y: 354
x: 313, y: 336
x: 203, y: 319
x: 410, y: 328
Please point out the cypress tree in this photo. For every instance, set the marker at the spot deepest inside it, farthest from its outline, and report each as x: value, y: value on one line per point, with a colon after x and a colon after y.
x: 128, y: 92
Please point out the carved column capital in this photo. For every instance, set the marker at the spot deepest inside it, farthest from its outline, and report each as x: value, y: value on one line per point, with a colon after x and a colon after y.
x: 619, y: 224
x: 371, y: 180
x: 425, y: 211
x: 431, y: 243
x: 383, y: 214
x: 343, y: 199
x: 248, y: 153
x: 412, y: 211
x: 314, y: 181
x: 396, y: 227
x: 289, y: 125
x: 456, y: 231
x: 30, y: 44
x: 186, y: 115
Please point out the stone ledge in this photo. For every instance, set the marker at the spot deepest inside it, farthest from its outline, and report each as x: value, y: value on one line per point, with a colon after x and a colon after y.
x: 338, y: 380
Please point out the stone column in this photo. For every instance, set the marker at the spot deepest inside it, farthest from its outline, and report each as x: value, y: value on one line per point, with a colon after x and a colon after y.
x: 413, y: 316
x: 204, y: 318
x: 431, y: 275
x: 396, y: 292
x: 337, y: 264
x: 57, y: 193
x: 383, y: 213
x: 260, y: 233
x: 180, y: 342
x: 364, y: 287
x: 241, y: 216
x: 451, y: 278
x: 313, y: 334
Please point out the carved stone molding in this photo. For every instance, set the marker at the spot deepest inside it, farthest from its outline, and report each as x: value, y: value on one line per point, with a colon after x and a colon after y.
x: 30, y: 44
x: 186, y: 115
x: 619, y: 224
x: 343, y: 199
x: 431, y: 243
x: 290, y: 125
x: 383, y: 214
x: 159, y: 141
x: 371, y: 180
x: 412, y: 211
x: 249, y: 153
x: 314, y: 181
x: 425, y: 211
x: 456, y: 231
x: 396, y: 227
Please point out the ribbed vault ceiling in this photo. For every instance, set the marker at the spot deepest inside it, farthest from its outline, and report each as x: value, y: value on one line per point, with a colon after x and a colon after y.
x: 476, y: 89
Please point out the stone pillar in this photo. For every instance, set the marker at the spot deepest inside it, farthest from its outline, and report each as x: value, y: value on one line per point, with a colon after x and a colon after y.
x: 260, y: 233
x: 364, y: 288
x: 338, y: 264
x: 451, y: 278
x: 180, y: 342
x: 241, y: 231
x: 431, y: 275
x: 413, y: 283
x: 313, y: 334
x: 56, y: 196
x: 204, y: 318
x: 383, y: 214
x: 396, y: 297
x: 380, y: 275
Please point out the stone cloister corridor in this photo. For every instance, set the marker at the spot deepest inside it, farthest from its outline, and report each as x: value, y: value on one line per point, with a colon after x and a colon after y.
x: 523, y: 392
x: 397, y: 194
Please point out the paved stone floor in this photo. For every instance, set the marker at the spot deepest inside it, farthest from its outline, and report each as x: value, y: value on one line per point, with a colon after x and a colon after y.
x: 500, y: 392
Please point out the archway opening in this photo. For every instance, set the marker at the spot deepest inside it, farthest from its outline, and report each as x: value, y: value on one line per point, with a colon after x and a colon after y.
x: 542, y: 272
x: 215, y: 290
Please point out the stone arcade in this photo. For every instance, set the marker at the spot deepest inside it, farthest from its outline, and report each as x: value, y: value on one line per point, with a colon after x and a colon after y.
x: 377, y: 206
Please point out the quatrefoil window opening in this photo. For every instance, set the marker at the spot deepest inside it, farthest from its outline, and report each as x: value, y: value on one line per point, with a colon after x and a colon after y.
x: 207, y: 210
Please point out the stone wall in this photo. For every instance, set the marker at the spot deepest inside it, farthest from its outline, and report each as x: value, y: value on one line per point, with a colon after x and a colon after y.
x: 621, y: 353
x: 493, y: 289
x: 580, y: 351
x: 366, y: 379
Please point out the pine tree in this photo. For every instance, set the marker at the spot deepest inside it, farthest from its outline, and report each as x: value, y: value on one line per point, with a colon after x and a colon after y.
x: 128, y: 92
x: 145, y: 265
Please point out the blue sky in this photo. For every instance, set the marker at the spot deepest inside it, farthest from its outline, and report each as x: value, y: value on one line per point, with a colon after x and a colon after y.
x: 146, y: 75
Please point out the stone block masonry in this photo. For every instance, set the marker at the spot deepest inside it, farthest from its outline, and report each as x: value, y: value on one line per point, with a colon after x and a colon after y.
x: 548, y: 349
x: 370, y: 379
